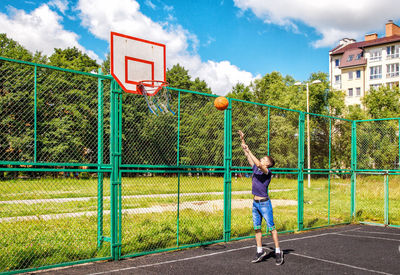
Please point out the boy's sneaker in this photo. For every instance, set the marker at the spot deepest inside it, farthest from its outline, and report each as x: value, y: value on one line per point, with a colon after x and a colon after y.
x: 259, y: 257
x: 279, y: 258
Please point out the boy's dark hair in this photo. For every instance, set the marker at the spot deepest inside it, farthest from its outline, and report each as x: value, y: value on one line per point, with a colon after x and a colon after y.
x: 271, y: 160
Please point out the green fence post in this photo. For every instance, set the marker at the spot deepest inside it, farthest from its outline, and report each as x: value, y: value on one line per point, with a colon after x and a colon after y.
x: 119, y: 191
x: 115, y: 172
x: 353, y: 168
x: 329, y: 175
x: 300, y: 176
x: 386, y: 191
x: 268, y: 135
x: 100, y: 129
x: 227, y: 170
x: 35, y: 116
x: 177, y: 164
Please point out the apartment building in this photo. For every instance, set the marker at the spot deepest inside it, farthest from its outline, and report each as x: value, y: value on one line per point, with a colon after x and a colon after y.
x: 357, y: 67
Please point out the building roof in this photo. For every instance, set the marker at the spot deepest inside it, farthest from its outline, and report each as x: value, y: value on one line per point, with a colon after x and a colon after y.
x: 364, y: 44
x: 345, y: 62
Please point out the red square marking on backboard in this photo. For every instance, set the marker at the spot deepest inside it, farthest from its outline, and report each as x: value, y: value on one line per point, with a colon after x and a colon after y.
x: 132, y: 59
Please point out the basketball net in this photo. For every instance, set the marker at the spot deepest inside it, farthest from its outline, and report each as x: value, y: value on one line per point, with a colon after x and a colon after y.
x: 156, y: 95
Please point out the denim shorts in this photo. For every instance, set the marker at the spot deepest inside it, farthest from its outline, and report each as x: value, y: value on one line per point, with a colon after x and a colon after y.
x: 263, y: 210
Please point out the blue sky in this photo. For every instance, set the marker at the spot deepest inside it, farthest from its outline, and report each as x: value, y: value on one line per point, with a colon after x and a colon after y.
x: 220, y: 41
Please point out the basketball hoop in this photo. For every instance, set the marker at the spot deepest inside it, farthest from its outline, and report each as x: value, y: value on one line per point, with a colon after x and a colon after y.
x: 156, y: 95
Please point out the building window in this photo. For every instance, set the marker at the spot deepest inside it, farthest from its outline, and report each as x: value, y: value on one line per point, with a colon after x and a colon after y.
x: 350, y: 58
x: 392, y: 52
x: 375, y: 72
x: 392, y: 70
x: 376, y: 55
x: 358, y: 74
x: 374, y: 86
x: 337, y: 79
x: 358, y: 57
x: 337, y: 62
x: 350, y: 75
x: 350, y: 91
x: 358, y: 91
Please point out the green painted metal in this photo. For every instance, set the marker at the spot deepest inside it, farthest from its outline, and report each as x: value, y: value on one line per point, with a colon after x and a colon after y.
x: 329, y: 167
x: 179, y: 128
x: 275, y: 172
x: 265, y: 105
x: 268, y: 131
x: 28, y: 169
x: 171, y: 171
x: 100, y: 175
x: 55, y: 68
x: 115, y: 182
x: 172, y: 166
x: 300, y: 176
x: 386, y: 199
x: 353, y: 168
x: 35, y: 116
x: 380, y: 224
x: 377, y: 119
x: 178, y: 206
x: 227, y: 172
x: 273, y: 169
x: 324, y: 226
x: 116, y: 168
x: 171, y: 249
x: 57, y: 265
x: 56, y: 164
x: 192, y: 92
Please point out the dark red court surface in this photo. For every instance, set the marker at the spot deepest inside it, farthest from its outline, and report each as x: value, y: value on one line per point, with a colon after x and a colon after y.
x: 352, y: 249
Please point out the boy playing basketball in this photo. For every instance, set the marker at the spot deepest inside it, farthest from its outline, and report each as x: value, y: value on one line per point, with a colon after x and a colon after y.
x: 262, y: 207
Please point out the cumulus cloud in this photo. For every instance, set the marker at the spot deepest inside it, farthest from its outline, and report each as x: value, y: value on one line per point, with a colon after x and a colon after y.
x: 40, y: 30
x: 124, y: 16
x: 61, y: 5
x: 333, y: 19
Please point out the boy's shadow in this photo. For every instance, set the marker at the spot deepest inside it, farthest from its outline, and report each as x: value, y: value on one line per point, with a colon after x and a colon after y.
x: 271, y: 253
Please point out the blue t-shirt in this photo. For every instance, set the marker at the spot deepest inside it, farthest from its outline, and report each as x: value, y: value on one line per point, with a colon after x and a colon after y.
x: 260, y: 182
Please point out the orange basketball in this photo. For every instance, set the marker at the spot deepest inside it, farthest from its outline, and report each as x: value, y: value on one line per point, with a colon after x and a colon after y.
x: 221, y: 103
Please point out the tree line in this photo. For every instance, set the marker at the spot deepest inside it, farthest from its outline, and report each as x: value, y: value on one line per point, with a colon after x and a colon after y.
x: 66, y: 128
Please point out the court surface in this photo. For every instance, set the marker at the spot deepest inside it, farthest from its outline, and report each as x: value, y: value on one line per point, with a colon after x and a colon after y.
x: 351, y: 249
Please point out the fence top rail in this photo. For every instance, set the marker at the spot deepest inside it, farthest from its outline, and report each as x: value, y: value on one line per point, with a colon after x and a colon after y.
x: 250, y: 102
x: 378, y: 119
x: 265, y: 105
x: 56, y: 68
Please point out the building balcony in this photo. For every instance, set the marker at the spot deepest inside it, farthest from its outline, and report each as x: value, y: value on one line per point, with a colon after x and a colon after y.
x: 393, y: 74
x: 392, y: 56
x: 375, y: 76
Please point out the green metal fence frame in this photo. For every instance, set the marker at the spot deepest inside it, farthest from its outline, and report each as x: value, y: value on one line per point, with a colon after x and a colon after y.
x: 116, y: 168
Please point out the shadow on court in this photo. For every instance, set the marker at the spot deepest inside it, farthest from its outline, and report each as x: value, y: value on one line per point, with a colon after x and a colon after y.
x: 351, y: 249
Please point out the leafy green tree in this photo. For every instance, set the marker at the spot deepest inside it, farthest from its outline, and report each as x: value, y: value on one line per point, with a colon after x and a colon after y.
x: 74, y: 59
x: 16, y: 102
x: 383, y: 102
x: 67, y: 109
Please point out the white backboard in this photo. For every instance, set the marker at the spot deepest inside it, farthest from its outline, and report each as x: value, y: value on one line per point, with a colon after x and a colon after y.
x: 134, y: 59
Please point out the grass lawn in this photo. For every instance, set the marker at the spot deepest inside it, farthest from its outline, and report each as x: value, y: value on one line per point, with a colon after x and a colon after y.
x: 41, y: 241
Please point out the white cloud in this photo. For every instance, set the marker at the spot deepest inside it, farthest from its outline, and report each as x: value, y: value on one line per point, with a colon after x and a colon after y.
x: 124, y: 16
x: 333, y: 19
x: 62, y: 5
x: 150, y: 4
x: 40, y: 30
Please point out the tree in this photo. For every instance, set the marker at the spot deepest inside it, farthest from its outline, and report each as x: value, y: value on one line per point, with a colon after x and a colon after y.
x: 383, y: 102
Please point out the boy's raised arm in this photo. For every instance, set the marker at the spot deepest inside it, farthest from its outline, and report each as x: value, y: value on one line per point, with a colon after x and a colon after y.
x: 245, y: 149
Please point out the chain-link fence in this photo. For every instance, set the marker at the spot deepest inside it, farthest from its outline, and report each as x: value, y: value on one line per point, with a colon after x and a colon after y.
x: 88, y: 173
x: 377, y: 182
x: 50, y: 165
